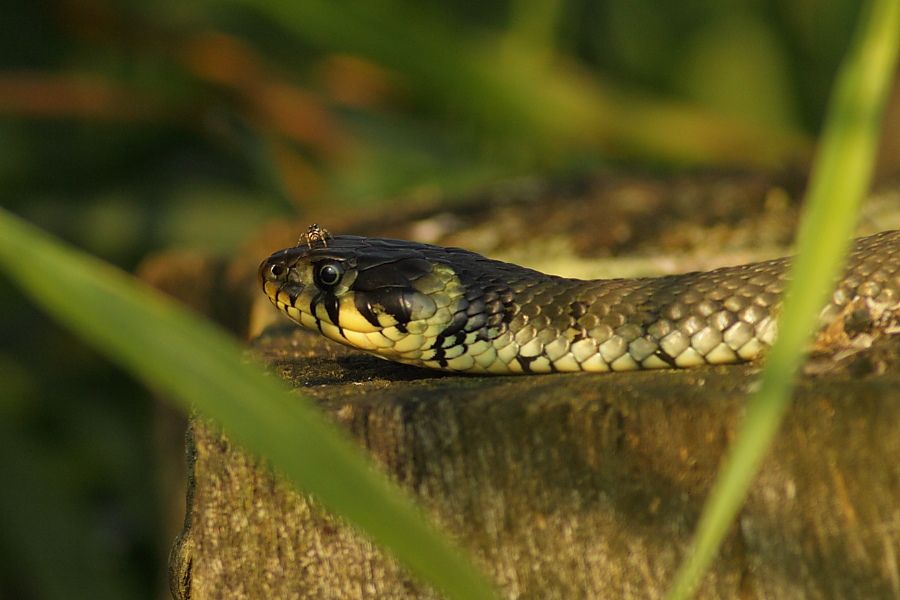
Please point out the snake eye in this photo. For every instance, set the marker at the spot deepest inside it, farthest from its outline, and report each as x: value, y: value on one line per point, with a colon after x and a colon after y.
x: 328, y: 274
x: 276, y: 271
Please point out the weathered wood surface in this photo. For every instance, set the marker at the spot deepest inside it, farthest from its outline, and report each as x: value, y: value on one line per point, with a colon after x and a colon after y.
x: 564, y: 486
x: 567, y: 486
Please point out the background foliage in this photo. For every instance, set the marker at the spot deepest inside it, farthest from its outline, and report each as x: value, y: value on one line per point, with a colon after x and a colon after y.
x: 129, y: 127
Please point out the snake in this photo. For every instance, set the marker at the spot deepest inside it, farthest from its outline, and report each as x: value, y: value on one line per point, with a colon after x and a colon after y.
x: 455, y: 310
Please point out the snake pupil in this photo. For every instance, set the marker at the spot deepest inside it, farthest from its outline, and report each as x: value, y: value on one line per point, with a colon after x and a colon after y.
x: 329, y: 275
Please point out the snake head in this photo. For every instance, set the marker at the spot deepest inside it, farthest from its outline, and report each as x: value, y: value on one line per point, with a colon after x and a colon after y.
x: 382, y: 296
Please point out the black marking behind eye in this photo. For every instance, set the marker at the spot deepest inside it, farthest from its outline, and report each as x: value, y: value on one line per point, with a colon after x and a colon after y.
x: 364, y: 307
x: 333, y: 309
x: 396, y: 302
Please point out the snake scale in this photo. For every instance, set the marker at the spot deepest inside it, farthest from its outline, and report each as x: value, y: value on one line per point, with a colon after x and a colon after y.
x: 454, y: 310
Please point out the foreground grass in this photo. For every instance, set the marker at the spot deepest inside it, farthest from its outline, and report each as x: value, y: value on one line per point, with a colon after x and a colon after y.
x: 840, y: 178
x: 202, y: 368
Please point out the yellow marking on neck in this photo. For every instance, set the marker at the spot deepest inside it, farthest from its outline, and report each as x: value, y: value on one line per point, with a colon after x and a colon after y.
x: 350, y: 318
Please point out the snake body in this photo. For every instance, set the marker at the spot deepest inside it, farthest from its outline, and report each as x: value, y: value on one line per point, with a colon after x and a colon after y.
x: 454, y: 310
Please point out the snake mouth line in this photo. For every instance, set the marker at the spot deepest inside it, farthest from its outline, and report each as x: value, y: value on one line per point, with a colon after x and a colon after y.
x: 308, y: 320
x: 335, y: 332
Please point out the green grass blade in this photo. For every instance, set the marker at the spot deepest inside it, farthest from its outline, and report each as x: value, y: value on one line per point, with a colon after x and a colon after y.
x: 202, y: 367
x: 840, y: 178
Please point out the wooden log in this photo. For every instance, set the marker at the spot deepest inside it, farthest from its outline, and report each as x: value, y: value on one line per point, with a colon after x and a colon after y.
x: 565, y: 486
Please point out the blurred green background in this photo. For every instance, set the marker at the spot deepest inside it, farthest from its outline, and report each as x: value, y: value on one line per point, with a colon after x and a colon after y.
x: 132, y: 127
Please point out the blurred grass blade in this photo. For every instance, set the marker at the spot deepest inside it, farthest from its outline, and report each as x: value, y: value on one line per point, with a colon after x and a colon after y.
x: 533, y: 23
x: 840, y: 178
x: 201, y: 367
x: 536, y: 100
